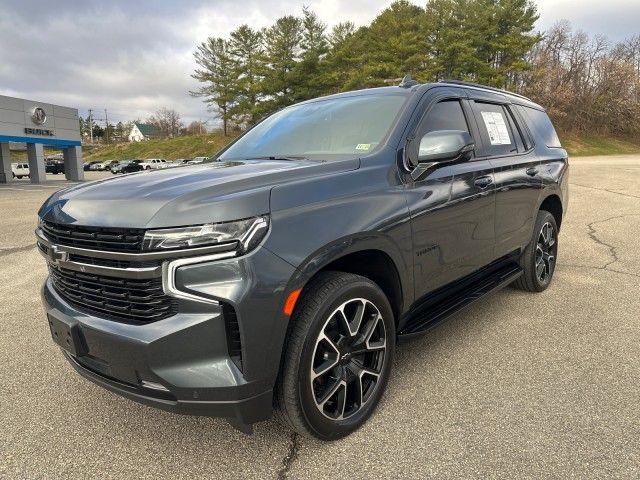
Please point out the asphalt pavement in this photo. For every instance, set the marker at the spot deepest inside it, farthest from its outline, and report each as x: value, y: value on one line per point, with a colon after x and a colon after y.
x: 518, y: 386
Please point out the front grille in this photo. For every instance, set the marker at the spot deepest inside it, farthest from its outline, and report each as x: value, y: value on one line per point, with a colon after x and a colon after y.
x: 138, y: 301
x: 96, y: 238
x: 110, y: 262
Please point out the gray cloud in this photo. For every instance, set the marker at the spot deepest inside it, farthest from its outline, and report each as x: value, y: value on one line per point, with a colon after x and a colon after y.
x: 133, y: 57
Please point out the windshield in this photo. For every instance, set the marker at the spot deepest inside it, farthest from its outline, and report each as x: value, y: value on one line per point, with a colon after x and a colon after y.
x: 329, y: 129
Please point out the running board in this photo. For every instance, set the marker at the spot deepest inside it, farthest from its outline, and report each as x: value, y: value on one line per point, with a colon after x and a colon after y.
x: 439, y: 306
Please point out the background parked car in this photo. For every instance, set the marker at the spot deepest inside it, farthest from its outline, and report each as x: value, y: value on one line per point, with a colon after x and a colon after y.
x: 98, y: 166
x: 20, y: 170
x: 154, y: 163
x: 54, y: 166
x: 129, y: 166
x: 113, y: 165
x: 87, y: 166
x: 116, y: 165
x: 197, y: 160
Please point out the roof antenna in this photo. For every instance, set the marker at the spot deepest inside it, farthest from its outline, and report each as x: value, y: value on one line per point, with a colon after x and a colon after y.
x: 407, y: 82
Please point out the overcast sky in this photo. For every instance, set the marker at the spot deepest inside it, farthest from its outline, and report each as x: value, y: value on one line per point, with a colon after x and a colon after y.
x: 133, y: 57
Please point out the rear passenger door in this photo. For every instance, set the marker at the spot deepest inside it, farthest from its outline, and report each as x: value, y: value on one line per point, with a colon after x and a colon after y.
x: 509, y: 148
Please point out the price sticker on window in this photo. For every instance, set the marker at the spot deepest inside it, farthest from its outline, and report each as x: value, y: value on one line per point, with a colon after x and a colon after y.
x: 496, y: 128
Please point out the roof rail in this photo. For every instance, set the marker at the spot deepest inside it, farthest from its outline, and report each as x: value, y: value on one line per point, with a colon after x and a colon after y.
x: 485, y: 87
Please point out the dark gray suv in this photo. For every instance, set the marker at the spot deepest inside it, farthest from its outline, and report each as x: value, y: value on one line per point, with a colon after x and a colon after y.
x: 280, y: 275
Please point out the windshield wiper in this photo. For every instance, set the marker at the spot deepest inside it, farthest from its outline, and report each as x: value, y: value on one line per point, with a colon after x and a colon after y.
x: 278, y: 157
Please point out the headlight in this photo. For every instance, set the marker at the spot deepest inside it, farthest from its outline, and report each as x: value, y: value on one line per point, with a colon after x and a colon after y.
x: 248, y: 233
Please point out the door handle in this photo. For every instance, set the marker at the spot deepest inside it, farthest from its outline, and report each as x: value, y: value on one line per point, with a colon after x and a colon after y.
x: 483, y: 182
x: 532, y: 171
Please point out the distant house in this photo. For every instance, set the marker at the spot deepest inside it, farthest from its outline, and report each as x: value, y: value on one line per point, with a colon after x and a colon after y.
x: 143, y: 131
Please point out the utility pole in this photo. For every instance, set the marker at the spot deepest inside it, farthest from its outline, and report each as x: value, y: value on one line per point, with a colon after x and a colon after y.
x: 91, y: 125
x: 106, y: 119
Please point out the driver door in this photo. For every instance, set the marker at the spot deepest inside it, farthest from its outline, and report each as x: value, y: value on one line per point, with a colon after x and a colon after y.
x: 452, y: 208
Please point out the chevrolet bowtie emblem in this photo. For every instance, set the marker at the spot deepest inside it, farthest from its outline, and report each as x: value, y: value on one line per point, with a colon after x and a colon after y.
x: 55, y: 255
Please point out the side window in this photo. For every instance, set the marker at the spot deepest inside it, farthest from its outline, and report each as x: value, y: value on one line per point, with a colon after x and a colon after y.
x: 518, y: 134
x: 499, y: 135
x: 541, y: 126
x: 445, y: 115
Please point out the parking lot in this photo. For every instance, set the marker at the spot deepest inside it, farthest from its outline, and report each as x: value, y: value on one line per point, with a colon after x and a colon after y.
x: 517, y: 386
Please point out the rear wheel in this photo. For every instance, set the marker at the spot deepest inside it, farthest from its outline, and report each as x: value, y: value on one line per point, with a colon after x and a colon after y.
x: 338, y: 356
x: 539, y: 258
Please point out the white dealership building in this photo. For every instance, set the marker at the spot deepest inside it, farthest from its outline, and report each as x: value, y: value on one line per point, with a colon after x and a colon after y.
x: 38, y: 124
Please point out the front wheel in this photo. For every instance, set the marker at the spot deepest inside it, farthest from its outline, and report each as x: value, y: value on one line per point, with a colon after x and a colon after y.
x: 539, y: 258
x: 338, y: 357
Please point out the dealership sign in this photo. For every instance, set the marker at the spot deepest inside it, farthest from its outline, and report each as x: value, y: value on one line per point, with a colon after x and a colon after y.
x: 28, y: 121
x: 39, y: 131
x: 39, y: 116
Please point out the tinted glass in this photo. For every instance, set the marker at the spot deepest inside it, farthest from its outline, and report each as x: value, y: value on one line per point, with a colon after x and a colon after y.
x: 517, y: 133
x: 495, y: 128
x: 542, y: 127
x: 447, y: 115
x: 328, y: 129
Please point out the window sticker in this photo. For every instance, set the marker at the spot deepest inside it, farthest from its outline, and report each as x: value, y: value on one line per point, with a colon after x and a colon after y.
x: 363, y: 146
x: 497, y: 128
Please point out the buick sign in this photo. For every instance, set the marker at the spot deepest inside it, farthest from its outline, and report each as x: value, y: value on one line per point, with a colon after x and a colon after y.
x: 38, y: 116
x: 39, y: 131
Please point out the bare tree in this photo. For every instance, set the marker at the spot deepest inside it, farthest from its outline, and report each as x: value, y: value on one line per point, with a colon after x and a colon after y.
x: 196, y: 127
x: 167, y: 121
x: 585, y: 83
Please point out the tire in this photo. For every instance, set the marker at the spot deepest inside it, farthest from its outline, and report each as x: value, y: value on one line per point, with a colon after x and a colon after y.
x: 356, y: 357
x: 19, y: 177
x: 539, y: 258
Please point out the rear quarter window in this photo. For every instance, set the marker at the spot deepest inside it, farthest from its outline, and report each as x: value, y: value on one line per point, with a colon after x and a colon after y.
x: 541, y: 126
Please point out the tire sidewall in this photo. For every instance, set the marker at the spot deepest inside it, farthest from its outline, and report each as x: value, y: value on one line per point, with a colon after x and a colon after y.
x: 542, y: 218
x: 319, y: 425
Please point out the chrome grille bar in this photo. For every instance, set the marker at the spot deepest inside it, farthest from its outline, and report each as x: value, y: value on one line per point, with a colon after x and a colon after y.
x: 135, y: 257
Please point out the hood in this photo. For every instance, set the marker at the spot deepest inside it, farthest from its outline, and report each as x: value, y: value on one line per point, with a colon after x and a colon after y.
x: 191, y: 195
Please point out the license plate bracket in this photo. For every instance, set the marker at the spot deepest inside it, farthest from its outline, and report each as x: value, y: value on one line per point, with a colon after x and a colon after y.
x: 66, y: 333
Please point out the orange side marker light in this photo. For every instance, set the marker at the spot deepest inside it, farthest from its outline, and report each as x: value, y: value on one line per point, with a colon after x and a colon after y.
x: 290, y: 304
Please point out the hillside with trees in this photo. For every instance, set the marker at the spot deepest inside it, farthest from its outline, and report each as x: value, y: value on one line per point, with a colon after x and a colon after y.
x: 588, y: 84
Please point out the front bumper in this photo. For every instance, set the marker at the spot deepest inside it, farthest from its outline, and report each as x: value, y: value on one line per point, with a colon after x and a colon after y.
x: 182, y: 363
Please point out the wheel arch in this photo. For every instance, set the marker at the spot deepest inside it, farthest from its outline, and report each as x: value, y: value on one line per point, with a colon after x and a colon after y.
x: 553, y: 205
x: 378, y: 267
x: 374, y: 260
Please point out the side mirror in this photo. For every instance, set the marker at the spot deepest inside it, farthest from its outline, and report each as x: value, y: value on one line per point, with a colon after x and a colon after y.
x: 442, y: 146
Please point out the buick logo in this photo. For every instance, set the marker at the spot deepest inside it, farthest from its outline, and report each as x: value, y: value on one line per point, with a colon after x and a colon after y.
x: 38, y: 116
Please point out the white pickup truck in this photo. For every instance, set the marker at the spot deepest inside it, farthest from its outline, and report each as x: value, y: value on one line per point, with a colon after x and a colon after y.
x: 20, y: 170
x: 154, y: 163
